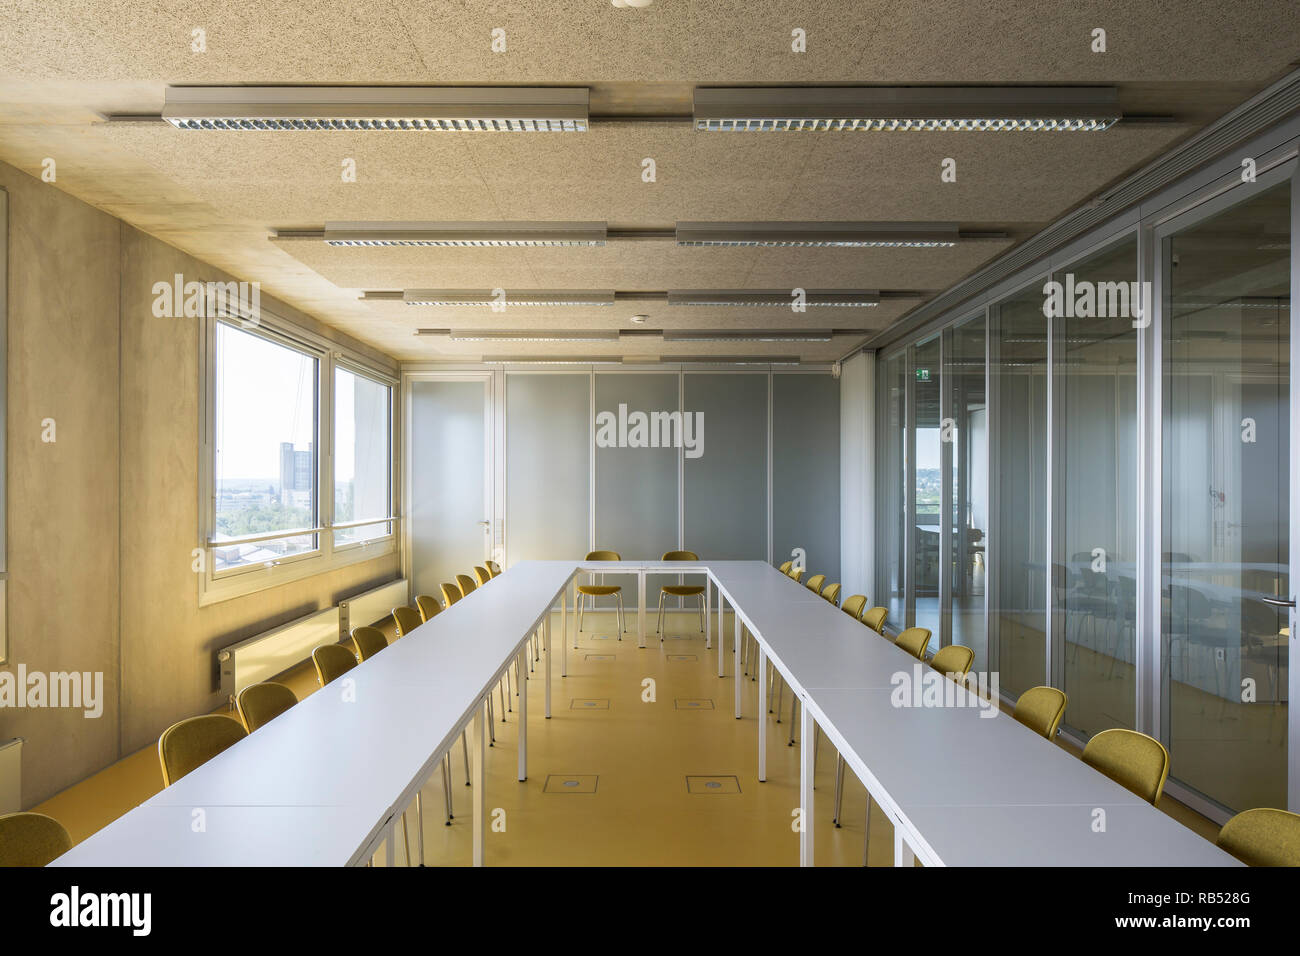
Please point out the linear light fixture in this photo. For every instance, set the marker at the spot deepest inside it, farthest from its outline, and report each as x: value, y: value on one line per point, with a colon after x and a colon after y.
x: 1021, y: 109
x: 464, y: 233
x: 448, y: 109
x: 772, y: 335
x: 507, y: 297
x: 564, y: 360
x: 732, y: 359
x: 836, y: 234
x: 844, y: 298
x: 593, y: 335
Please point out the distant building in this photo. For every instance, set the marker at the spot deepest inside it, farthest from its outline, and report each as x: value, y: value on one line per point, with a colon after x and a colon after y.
x: 297, y: 483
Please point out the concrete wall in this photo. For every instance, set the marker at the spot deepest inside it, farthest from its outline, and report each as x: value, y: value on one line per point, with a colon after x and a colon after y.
x: 102, y: 522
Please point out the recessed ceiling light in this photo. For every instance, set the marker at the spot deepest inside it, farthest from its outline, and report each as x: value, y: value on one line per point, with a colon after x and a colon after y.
x: 635, y: 4
x: 464, y: 233
x: 846, y: 298
x: 841, y: 234
x: 470, y: 335
x: 506, y: 297
x: 447, y: 109
x: 638, y: 319
x: 968, y: 108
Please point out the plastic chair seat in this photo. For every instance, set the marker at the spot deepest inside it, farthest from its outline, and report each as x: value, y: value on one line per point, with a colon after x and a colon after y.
x: 599, y: 590
x: 683, y: 590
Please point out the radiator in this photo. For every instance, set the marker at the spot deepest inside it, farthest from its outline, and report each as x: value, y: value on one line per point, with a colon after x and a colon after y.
x: 374, y: 605
x: 273, y: 652
x: 11, y: 776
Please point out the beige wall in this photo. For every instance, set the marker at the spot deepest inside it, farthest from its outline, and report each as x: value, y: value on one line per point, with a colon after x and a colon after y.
x: 103, y: 522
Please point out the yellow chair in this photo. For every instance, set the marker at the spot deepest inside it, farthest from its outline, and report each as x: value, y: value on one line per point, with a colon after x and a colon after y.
x: 815, y: 583
x: 875, y: 619
x: 594, y: 591
x: 258, y: 704
x: 785, y: 567
x: 369, y: 641
x: 955, y: 660
x: 1259, y: 837
x: 494, y: 568
x: 450, y: 594
x: 680, y: 590
x: 796, y: 573
x: 854, y: 606
x: 482, y: 574
x: 1134, y: 761
x: 914, y: 640
x: 407, y: 620
x: 832, y: 593
x: 466, y: 584
x: 332, y: 661
x: 31, y: 839
x: 1041, y: 709
x: 427, y: 605
x: 190, y: 743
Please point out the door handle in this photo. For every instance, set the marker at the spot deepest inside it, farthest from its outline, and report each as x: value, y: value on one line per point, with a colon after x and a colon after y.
x: 1278, y: 602
x: 485, y: 523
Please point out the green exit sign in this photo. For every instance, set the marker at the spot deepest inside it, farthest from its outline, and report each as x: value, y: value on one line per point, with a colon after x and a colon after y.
x: 923, y: 375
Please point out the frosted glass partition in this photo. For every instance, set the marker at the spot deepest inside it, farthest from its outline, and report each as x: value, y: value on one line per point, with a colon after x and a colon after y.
x: 806, y: 470
x: 726, y: 486
x: 447, y: 499
x: 548, y: 466
x: 636, y: 487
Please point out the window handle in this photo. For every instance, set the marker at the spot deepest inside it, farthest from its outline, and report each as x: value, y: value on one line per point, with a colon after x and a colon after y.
x: 1278, y: 602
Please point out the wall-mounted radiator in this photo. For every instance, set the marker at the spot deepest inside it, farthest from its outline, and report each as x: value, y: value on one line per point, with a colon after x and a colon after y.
x: 375, y: 605
x: 273, y: 652
x: 11, y: 775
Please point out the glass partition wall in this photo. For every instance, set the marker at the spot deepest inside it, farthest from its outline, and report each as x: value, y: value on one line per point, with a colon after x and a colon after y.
x: 1092, y: 411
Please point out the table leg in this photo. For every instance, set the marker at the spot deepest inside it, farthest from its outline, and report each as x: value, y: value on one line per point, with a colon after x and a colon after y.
x: 708, y: 608
x: 903, y: 855
x: 736, y: 644
x: 640, y: 608
x: 575, y: 614
x: 762, y: 717
x: 806, y: 787
x: 546, y: 646
x: 722, y: 642
x: 390, y: 840
x: 479, y: 735
x: 523, y: 722
x: 564, y: 631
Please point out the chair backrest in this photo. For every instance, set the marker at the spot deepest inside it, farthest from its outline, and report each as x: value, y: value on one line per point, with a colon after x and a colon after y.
x: 1259, y: 837
x: 1041, y: 709
x: 680, y: 556
x: 31, y: 839
x: 785, y: 567
x: 451, y: 594
x: 914, y: 640
x: 369, y: 641
x: 815, y: 583
x: 831, y: 593
x: 427, y: 605
x: 192, y: 742
x: 854, y: 606
x: 603, y: 556
x: 875, y: 619
x: 796, y: 573
x: 466, y: 584
x: 953, y: 659
x: 407, y: 620
x: 494, y: 568
x: 331, y: 661
x: 261, y: 703
x: 482, y: 575
x: 1134, y: 761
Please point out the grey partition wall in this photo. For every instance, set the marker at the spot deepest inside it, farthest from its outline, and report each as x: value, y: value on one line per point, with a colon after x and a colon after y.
x: 806, y: 470
x: 548, y: 465
x: 636, y: 487
x: 725, y: 488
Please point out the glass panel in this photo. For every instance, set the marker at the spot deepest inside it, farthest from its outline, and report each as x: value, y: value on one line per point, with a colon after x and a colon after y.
x: 806, y: 500
x: 548, y: 465
x: 1094, y: 584
x: 1018, y: 607
x: 726, y: 488
x: 265, y: 468
x: 969, y: 437
x: 927, y: 490
x: 447, y: 498
x: 1226, y: 522
x: 362, y: 456
x: 891, y: 480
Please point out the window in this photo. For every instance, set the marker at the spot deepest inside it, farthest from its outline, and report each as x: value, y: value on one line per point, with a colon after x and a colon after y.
x: 298, y: 440
x: 362, y: 457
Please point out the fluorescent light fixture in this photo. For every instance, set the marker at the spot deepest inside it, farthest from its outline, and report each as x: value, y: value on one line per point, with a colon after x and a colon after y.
x: 845, y: 298
x: 568, y: 360
x: 450, y: 109
x: 1021, y: 109
x: 507, y: 297
x: 732, y: 359
x: 772, y: 335
x: 464, y: 233
x: 594, y: 335
x: 838, y: 234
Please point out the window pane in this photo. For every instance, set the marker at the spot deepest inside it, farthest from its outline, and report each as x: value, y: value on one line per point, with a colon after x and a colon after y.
x: 265, y: 469
x: 362, y: 456
x: 965, y: 379
x: 891, y: 503
x: 927, y: 455
x: 1227, y: 381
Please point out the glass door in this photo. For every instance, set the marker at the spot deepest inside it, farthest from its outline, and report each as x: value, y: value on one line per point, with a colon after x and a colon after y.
x: 927, y: 488
x: 1226, y: 562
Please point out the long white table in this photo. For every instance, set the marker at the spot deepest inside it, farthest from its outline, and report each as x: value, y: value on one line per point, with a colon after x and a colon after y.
x: 959, y: 788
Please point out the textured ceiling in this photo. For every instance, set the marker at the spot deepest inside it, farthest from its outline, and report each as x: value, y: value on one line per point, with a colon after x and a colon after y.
x: 219, y: 196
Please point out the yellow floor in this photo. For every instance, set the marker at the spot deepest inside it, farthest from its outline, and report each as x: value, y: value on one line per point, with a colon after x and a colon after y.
x: 630, y: 765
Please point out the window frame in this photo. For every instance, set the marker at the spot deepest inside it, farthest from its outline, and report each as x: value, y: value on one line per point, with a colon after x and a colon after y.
x: 215, y: 587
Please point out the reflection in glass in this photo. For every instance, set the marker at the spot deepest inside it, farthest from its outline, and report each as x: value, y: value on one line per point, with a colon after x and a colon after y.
x: 891, y: 480
x: 362, y: 456
x: 969, y: 437
x: 927, y: 489
x: 1226, y: 472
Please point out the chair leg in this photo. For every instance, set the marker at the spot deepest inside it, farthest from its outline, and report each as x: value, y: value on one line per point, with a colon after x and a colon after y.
x: 464, y: 743
x: 659, y: 625
x: 406, y: 838
x: 419, y: 826
x: 866, y: 831
x: 492, y: 733
x: 446, y: 791
x: 839, y: 788
x: 780, y: 696
x: 771, y: 682
x: 794, y: 700
x: 622, y: 620
x: 701, y: 597
x: 501, y: 689
x: 581, y: 602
